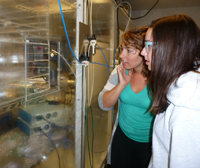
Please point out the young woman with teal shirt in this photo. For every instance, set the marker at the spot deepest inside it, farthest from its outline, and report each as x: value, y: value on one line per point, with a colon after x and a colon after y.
x: 130, y: 144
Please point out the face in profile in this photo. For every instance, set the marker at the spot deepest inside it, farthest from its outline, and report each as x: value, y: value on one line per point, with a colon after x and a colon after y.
x: 147, y: 50
x: 130, y: 57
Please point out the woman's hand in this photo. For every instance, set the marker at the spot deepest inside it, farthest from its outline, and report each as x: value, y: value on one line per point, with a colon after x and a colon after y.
x: 124, y: 79
x: 110, y: 97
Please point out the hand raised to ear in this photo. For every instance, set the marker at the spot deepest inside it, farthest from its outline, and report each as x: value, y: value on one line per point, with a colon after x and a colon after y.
x: 124, y: 79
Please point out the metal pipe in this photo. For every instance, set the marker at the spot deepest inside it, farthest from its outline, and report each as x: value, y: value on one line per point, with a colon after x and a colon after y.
x: 83, y: 117
x: 58, y: 78
x: 85, y: 21
x: 85, y: 12
x: 25, y: 65
x: 78, y: 95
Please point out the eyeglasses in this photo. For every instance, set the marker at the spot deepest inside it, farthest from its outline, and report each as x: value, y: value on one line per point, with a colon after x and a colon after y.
x: 147, y: 44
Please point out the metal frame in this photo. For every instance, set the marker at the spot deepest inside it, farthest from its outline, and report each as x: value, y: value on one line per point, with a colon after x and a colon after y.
x: 78, y: 94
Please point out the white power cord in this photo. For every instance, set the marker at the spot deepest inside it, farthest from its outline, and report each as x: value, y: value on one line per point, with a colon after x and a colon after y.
x: 124, y: 2
x: 64, y: 60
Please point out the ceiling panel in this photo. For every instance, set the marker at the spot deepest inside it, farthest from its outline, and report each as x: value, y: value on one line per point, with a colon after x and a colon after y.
x: 162, y: 4
x: 192, y: 3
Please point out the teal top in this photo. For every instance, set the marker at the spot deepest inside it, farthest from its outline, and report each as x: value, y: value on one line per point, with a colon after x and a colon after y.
x: 135, y: 120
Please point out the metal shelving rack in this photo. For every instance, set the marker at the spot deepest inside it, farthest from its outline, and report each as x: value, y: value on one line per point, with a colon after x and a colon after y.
x: 39, y: 74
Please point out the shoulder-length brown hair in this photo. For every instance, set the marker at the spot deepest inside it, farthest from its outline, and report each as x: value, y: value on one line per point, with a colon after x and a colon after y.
x: 135, y: 38
x: 176, y: 51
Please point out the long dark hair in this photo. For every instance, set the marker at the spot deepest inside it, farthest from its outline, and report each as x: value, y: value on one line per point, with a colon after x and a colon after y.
x: 176, y: 51
x: 135, y: 38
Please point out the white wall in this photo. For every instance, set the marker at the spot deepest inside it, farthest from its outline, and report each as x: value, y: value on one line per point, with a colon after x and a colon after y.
x: 193, y: 12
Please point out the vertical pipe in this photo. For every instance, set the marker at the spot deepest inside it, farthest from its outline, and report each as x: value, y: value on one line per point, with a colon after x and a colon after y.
x: 49, y: 81
x: 78, y: 94
x: 85, y: 13
x: 85, y: 21
x: 25, y: 65
x: 58, y: 70
x: 83, y: 117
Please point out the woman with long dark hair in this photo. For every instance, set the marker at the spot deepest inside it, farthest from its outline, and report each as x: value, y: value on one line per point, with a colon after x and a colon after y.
x: 172, y: 53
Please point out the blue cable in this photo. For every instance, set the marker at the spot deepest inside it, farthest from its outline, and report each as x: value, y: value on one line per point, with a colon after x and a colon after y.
x: 66, y: 31
x: 101, y: 64
x: 104, y: 58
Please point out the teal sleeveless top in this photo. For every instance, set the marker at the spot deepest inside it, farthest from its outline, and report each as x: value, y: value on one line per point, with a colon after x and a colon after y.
x: 135, y: 120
